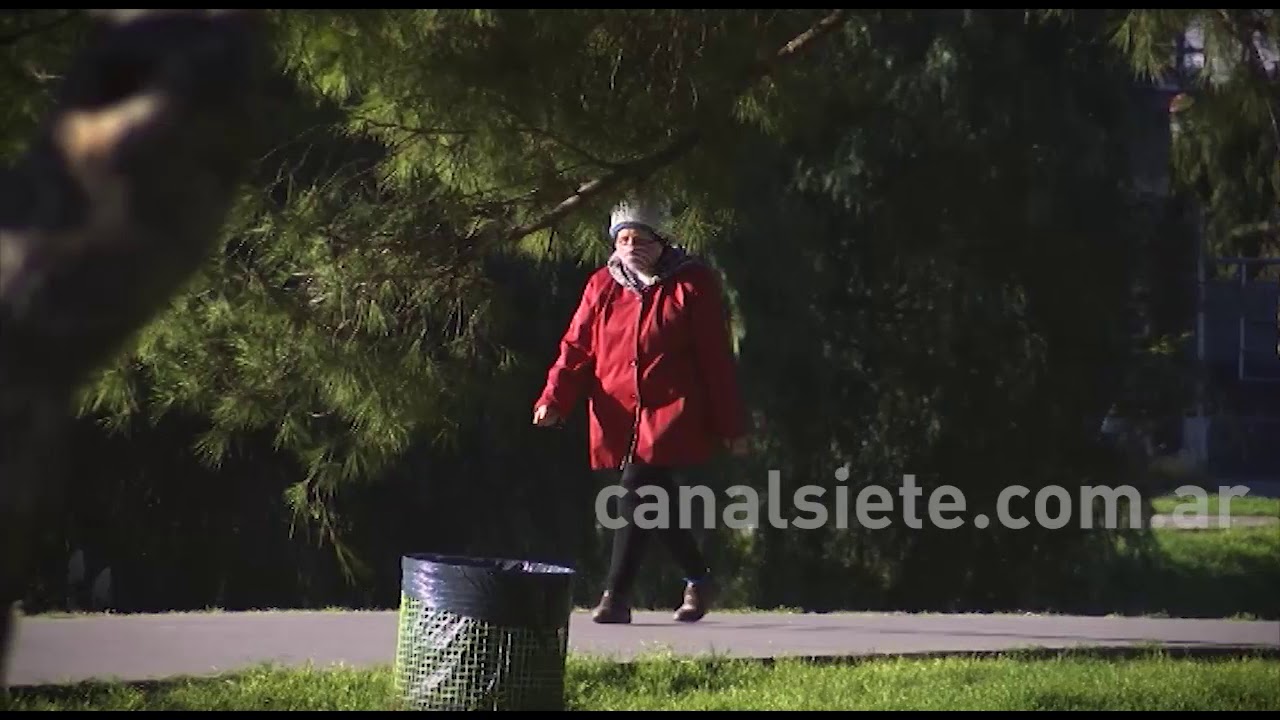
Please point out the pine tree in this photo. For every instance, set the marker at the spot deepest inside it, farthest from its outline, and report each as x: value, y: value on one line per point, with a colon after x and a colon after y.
x: 1227, y: 141
x: 922, y: 218
x: 351, y: 311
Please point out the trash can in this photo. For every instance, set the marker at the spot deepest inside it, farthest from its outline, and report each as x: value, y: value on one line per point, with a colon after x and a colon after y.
x: 482, y: 633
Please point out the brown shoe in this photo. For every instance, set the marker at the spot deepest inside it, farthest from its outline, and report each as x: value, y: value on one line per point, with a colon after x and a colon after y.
x: 611, y: 611
x: 697, y: 600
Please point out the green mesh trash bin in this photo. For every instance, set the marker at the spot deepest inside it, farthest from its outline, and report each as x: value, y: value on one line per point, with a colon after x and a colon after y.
x: 482, y: 633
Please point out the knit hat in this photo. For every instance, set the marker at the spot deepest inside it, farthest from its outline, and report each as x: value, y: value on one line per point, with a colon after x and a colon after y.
x: 645, y: 215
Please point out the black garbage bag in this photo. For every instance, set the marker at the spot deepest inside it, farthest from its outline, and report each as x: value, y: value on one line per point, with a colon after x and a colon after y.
x: 482, y: 633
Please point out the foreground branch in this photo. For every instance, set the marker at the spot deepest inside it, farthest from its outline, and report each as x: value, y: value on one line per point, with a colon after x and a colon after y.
x: 37, y: 29
x: 114, y: 207
x: 639, y: 170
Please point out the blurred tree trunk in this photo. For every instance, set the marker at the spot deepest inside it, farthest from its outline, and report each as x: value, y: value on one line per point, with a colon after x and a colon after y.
x: 115, y: 204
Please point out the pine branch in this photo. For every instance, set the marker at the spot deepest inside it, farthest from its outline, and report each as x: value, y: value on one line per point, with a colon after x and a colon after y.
x: 629, y: 172
x: 638, y: 170
x: 15, y: 37
x: 1243, y: 34
x: 1252, y: 229
x: 419, y: 131
x: 523, y: 124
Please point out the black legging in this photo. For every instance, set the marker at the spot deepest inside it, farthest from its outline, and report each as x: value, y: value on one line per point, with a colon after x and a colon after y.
x: 630, y: 542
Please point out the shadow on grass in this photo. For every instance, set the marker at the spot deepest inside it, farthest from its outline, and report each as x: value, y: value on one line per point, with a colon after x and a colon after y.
x: 1213, y: 573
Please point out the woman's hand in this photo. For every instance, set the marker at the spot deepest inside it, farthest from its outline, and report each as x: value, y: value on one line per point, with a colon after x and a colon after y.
x: 544, y: 416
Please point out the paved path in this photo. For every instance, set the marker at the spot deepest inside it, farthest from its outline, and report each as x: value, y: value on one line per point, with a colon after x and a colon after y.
x: 140, y: 647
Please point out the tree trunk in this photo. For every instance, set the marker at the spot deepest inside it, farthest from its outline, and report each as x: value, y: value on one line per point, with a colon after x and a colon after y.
x: 120, y: 197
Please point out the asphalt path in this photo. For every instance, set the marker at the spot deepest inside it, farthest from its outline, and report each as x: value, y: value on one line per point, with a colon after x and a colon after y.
x: 56, y: 650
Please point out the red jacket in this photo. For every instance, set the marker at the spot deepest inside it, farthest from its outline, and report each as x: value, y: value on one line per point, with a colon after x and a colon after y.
x: 656, y: 367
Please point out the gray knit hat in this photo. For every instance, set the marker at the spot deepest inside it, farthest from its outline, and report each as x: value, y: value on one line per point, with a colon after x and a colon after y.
x: 643, y: 214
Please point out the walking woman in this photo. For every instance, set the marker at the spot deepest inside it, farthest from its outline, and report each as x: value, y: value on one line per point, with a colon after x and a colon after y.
x: 648, y: 346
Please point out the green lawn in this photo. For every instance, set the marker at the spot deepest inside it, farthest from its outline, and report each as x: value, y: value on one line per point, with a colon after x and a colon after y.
x: 1233, y: 572
x: 1067, y: 682
x: 1236, y: 506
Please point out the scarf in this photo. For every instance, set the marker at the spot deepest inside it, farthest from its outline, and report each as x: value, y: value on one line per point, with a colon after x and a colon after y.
x: 672, y: 259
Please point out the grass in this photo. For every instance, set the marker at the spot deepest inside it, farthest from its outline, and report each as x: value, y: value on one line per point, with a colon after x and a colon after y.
x: 955, y: 683
x: 1229, y: 572
x: 1069, y: 681
x: 1236, y: 506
